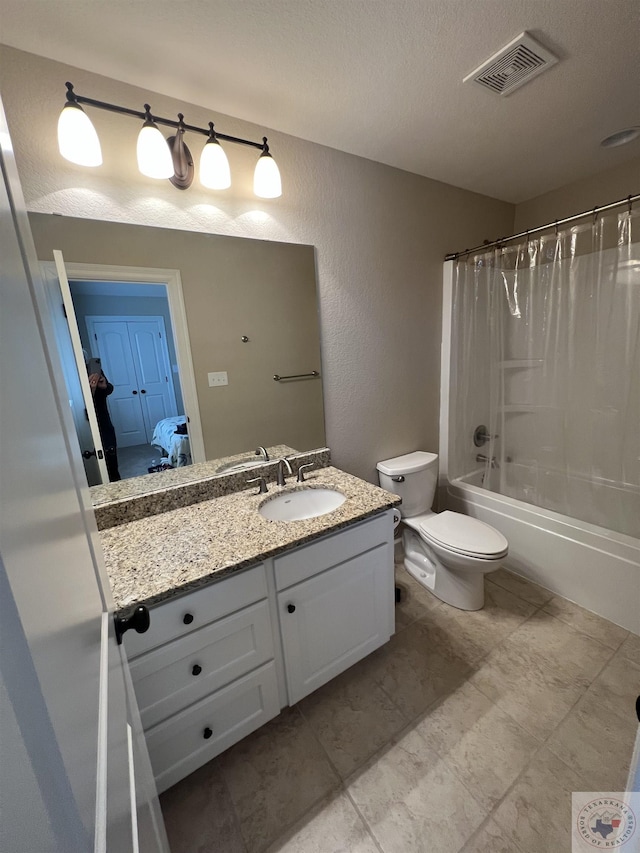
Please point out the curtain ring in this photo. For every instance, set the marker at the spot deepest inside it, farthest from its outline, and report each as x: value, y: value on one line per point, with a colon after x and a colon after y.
x: 556, y: 225
x: 595, y: 214
x: 630, y: 204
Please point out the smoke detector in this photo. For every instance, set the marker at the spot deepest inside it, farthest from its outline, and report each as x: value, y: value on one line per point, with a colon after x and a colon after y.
x: 518, y: 62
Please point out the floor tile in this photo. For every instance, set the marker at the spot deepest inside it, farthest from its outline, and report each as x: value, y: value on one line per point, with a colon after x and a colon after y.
x: 333, y: 826
x: 413, y: 802
x: 274, y: 776
x: 529, y: 689
x: 490, y: 839
x: 481, y: 630
x: 536, y: 813
x: 588, y: 623
x: 597, y: 743
x: 482, y: 744
x: 520, y: 586
x: 199, y: 816
x: 631, y: 648
x: 419, y: 666
x: 570, y: 653
x: 415, y: 601
x: 618, y: 685
x: 352, y: 717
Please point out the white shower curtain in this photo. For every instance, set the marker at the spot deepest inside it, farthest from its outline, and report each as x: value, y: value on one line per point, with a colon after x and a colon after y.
x: 546, y: 355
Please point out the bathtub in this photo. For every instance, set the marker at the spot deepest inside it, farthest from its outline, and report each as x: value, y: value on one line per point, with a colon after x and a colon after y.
x: 596, y: 568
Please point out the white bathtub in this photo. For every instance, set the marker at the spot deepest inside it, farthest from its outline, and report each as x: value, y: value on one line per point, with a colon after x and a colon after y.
x: 594, y: 567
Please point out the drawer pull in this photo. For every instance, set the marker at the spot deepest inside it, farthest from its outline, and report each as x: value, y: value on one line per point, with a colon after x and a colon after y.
x: 197, y: 669
x: 291, y: 608
x: 187, y: 618
x: 206, y: 734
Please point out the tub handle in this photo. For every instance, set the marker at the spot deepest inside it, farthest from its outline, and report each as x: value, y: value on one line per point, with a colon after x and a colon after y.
x: 399, y: 479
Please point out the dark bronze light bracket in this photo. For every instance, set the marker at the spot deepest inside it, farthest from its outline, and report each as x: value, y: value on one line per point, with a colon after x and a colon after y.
x: 182, y: 159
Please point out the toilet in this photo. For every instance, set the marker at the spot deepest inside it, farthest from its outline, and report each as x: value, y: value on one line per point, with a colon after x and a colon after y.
x: 447, y: 552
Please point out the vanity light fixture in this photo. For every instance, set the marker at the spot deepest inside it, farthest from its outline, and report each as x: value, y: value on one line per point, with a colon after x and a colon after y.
x: 214, y: 166
x: 159, y: 157
x: 77, y: 138
x: 154, y: 155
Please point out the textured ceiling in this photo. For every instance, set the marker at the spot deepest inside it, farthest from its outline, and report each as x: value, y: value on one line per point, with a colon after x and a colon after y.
x: 377, y: 78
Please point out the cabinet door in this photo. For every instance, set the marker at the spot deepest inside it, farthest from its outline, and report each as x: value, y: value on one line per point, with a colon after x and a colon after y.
x: 333, y: 620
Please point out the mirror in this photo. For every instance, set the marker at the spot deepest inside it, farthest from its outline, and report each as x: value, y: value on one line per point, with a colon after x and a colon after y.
x: 251, y: 313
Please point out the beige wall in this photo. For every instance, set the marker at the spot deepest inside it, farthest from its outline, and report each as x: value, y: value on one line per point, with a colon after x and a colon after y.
x: 578, y: 196
x: 231, y: 287
x: 380, y: 236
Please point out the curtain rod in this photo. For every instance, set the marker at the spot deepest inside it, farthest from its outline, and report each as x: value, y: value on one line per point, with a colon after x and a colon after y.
x: 556, y: 224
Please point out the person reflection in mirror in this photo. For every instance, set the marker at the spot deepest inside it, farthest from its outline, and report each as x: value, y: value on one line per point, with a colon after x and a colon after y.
x: 101, y: 388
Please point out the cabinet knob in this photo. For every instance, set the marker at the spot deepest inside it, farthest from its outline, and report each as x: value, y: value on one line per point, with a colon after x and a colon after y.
x: 291, y: 608
x: 187, y: 618
x: 134, y: 392
x: 206, y: 734
x: 197, y: 669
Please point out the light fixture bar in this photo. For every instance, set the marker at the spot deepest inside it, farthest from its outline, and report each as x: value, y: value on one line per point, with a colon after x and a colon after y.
x: 167, y: 122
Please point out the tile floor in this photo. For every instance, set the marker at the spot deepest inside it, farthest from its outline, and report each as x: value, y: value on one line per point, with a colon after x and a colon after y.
x: 466, y: 733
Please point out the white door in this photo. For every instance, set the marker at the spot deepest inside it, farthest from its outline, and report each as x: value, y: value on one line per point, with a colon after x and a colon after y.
x: 75, y: 771
x: 135, y: 358
x: 59, y: 318
x: 110, y: 341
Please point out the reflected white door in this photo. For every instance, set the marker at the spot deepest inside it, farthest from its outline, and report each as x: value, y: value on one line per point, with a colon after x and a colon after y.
x: 135, y: 360
x: 70, y: 728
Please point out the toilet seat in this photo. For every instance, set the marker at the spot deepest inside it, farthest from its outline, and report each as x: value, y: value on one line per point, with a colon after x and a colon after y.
x: 463, y: 535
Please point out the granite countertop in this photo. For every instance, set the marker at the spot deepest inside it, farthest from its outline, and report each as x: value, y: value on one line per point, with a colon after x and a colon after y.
x: 156, y: 558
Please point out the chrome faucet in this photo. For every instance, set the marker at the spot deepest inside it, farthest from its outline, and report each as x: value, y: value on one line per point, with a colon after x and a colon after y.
x: 262, y: 489
x: 262, y: 451
x: 493, y: 462
x: 302, y: 469
x: 282, y: 464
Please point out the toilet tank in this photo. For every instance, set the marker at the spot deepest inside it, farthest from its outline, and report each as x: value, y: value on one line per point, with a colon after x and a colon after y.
x: 417, y: 489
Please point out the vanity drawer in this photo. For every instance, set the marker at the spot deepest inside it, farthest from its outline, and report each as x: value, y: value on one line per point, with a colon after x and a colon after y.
x: 168, y: 679
x: 309, y: 560
x: 187, y: 613
x: 179, y: 745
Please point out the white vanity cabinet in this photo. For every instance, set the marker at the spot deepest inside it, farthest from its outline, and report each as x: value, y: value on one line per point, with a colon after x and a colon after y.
x: 221, y: 661
x: 204, y: 673
x: 335, y: 603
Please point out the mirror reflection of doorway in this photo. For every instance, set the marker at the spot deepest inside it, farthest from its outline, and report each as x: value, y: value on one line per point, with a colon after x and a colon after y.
x: 127, y: 328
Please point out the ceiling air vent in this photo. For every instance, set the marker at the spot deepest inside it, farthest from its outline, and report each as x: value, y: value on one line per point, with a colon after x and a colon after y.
x: 513, y: 66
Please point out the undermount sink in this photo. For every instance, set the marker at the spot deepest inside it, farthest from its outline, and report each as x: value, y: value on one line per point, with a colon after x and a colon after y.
x: 300, y: 504
x: 239, y: 465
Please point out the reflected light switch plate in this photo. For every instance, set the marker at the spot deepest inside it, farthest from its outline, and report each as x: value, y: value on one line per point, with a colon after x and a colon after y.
x: 219, y: 378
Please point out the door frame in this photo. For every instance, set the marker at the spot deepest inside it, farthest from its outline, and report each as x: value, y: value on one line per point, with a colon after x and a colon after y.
x: 177, y: 312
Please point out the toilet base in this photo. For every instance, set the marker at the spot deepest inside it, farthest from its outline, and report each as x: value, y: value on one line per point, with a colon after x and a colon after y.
x: 461, y: 589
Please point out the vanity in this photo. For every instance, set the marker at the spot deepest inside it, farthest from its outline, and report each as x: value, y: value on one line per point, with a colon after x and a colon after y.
x: 248, y: 614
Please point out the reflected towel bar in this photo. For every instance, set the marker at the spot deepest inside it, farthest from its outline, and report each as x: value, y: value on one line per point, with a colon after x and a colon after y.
x: 296, y: 376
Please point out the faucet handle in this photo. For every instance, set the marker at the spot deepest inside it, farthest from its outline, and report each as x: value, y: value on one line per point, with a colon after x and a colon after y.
x: 262, y: 490
x: 301, y: 469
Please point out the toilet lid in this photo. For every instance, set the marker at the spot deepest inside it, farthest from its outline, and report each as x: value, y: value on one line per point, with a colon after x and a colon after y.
x: 464, y: 535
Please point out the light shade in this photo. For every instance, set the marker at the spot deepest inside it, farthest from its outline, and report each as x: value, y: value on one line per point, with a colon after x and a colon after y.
x: 154, y: 155
x: 266, y: 178
x: 77, y: 138
x: 214, y: 166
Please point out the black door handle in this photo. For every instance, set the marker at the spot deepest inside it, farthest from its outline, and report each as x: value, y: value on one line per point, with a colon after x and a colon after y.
x: 291, y: 608
x: 88, y: 454
x: 197, y: 669
x: 139, y: 620
x: 206, y: 734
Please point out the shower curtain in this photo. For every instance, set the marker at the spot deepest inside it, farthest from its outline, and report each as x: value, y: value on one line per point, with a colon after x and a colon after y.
x: 546, y: 355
